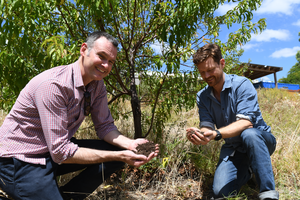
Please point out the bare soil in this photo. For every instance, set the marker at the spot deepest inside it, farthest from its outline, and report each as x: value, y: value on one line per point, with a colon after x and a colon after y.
x: 145, y: 148
x: 154, y: 184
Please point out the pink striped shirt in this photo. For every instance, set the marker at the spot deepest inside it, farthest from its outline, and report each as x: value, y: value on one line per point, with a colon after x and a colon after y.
x: 48, y: 112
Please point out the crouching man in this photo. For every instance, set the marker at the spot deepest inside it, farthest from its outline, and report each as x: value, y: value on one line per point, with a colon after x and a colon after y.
x: 229, y: 103
x: 36, y: 143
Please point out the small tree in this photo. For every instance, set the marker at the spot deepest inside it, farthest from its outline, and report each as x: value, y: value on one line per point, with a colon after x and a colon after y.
x: 293, y: 75
x: 38, y: 35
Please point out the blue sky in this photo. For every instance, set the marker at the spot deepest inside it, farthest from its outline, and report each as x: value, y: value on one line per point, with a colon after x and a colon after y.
x: 278, y: 44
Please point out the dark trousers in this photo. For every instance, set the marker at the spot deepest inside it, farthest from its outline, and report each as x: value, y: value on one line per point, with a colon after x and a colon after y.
x: 25, y: 181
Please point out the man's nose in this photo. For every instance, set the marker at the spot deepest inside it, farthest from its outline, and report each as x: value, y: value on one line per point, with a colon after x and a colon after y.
x: 207, y: 74
x: 105, y: 63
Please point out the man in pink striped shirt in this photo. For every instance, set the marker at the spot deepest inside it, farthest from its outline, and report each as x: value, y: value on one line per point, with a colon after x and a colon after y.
x: 36, y: 142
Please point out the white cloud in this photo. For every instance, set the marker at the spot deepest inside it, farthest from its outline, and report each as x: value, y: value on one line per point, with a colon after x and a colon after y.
x: 278, y: 6
x: 297, y: 23
x: 286, y: 52
x: 222, y: 10
x: 269, y: 34
x: 285, y: 7
x: 249, y: 46
x: 158, y: 47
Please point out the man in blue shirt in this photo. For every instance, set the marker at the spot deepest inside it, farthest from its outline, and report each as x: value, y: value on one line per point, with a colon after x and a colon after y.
x: 228, y: 109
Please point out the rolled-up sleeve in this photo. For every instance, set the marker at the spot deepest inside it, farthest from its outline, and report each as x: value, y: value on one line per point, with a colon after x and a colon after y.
x: 206, y: 119
x: 100, y: 112
x: 51, y: 102
x: 246, y: 104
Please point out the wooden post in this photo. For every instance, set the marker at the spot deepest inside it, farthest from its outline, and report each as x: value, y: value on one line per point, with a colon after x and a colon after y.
x: 275, y: 79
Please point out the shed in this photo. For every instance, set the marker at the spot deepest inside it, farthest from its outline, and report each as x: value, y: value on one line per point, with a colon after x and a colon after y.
x: 255, y: 71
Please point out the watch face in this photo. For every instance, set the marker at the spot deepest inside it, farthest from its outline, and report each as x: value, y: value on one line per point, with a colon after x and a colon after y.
x: 218, y: 136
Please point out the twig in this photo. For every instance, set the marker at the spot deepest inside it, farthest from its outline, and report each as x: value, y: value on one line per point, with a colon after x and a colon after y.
x: 103, y: 180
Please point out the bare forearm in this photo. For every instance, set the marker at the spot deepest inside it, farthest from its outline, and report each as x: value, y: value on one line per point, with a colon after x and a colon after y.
x: 93, y: 156
x: 235, y: 128
x: 117, y: 139
x: 207, y: 134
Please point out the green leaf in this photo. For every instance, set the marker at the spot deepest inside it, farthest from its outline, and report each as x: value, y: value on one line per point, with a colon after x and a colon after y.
x: 48, y: 33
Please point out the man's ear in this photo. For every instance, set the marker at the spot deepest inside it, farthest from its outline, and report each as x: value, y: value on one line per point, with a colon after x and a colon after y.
x: 83, y: 49
x: 222, y: 63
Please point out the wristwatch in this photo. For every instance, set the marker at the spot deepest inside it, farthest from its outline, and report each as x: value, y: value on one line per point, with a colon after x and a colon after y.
x: 218, y: 136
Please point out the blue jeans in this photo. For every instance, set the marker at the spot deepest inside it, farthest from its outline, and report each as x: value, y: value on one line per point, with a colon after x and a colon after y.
x: 25, y: 181
x: 233, y: 171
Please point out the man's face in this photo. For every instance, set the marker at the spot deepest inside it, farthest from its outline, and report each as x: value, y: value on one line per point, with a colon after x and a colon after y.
x: 212, y: 72
x: 97, y: 61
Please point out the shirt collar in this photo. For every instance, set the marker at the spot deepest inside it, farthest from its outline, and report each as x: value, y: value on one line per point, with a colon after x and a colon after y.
x: 78, y: 81
x: 227, y: 83
x: 78, y: 77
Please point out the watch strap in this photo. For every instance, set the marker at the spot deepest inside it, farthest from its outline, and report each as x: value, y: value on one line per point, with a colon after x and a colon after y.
x: 218, y: 136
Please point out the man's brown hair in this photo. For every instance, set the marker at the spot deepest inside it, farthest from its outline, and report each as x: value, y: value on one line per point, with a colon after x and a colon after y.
x: 208, y: 50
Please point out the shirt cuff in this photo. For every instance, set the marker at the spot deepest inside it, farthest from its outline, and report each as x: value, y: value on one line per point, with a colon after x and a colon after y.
x: 207, y: 124
x: 241, y: 116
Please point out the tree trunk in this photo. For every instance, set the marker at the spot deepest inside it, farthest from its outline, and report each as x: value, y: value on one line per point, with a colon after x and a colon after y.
x: 136, y: 106
x: 136, y: 110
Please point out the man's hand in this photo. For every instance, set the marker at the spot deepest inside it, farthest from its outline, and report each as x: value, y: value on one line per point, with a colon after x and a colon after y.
x: 138, y: 160
x: 197, y: 137
x: 210, y: 134
x: 134, y: 143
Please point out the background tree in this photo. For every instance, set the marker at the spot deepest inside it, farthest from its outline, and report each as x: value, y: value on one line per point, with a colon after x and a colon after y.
x: 293, y: 75
x: 38, y: 35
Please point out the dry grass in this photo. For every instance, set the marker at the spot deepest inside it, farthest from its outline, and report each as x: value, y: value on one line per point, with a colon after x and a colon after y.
x: 281, y: 111
x: 184, y: 171
x: 2, y: 116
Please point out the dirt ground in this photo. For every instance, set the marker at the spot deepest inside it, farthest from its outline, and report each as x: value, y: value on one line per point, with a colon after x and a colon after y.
x: 135, y: 184
x: 162, y: 184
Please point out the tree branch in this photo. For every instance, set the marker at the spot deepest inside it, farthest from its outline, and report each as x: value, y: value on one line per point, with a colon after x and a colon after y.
x: 155, y: 103
x: 80, y: 27
x: 115, y: 97
x: 63, y: 16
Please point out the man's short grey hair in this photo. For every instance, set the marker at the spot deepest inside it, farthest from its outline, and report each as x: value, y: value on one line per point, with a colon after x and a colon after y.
x: 90, y: 40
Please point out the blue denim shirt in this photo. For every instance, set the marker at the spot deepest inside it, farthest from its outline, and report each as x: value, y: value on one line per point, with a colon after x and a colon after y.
x: 238, y: 101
